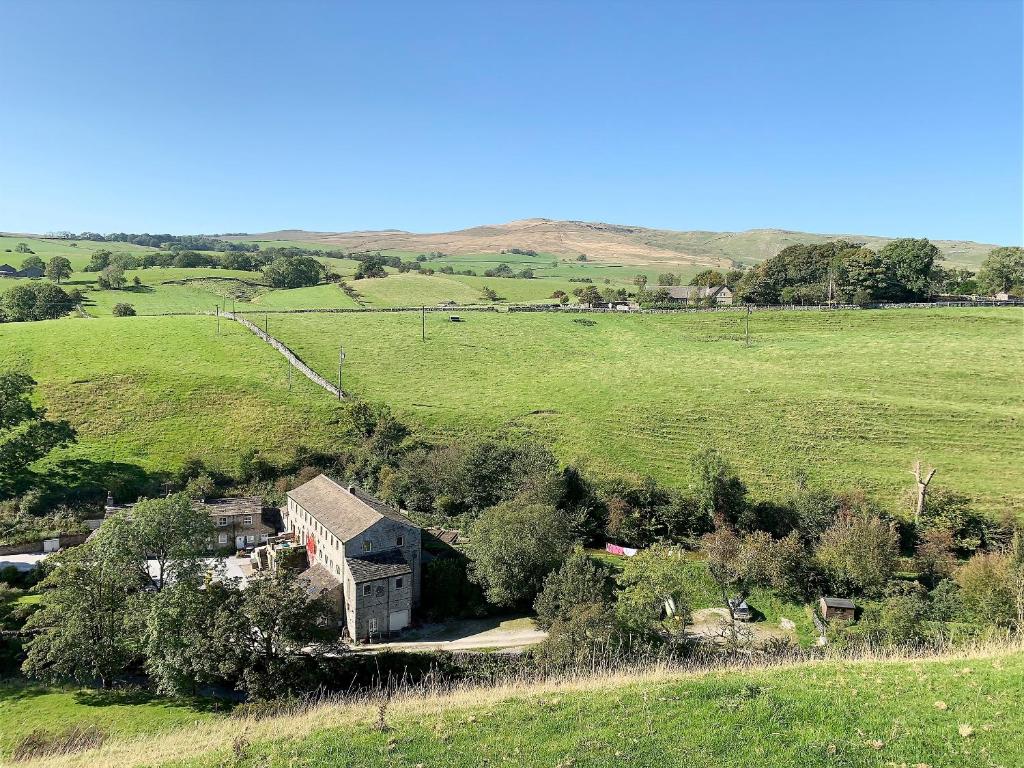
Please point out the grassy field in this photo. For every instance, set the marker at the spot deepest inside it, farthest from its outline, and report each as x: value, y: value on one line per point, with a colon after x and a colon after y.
x: 850, y: 398
x: 943, y: 713
x: 154, y: 391
x: 25, y: 708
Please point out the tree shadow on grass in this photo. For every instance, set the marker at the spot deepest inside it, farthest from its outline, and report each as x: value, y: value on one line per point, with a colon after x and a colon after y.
x: 84, y: 481
x: 134, y: 696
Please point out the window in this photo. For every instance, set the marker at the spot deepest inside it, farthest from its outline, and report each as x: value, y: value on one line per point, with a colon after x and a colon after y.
x: 222, y: 521
x: 222, y: 539
x: 251, y: 538
x: 367, y: 590
x: 400, y: 541
x: 372, y: 625
x: 247, y: 520
x: 399, y: 582
x: 367, y: 545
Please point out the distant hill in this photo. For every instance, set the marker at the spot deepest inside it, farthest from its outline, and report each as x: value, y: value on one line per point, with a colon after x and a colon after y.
x: 601, y: 242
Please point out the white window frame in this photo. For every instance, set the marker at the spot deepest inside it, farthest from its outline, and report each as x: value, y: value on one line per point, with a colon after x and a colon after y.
x: 399, y: 582
x: 222, y: 539
x: 247, y: 520
x: 371, y: 625
x: 400, y: 541
x: 251, y: 538
x: 367, y: 545
x: 222, y: 522
x: 367, y: 589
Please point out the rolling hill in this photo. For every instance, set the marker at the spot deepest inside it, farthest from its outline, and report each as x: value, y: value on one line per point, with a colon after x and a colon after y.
x: 601, y: 242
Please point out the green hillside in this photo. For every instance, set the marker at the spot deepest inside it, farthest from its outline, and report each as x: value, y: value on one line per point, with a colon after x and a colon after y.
x: 154, y: 391
x: 943, y: 713
x: 848, y: 398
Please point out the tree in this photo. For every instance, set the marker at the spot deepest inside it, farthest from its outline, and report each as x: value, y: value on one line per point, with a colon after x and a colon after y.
x: 173, y: 532
x: 277, y: 623
x: 655, y: 594
x: 640, y: 281
x: 579, y: 583
x: 910, y: 261
x: 988, y: 588
x: 23, y: 248
x: 720, y: 493
x: 1003, y: 270
x: 707, y: 277
x: 26, y: 435
x: 858, y: 553
x: 513, y: 547
x: 111, y: 277
x: 88, y: 626
x: 182, y: 648
x: 866, y: 272
x: 922, y: 478
x: 58, y: 268
x: 98, y: 260
x: 122, y: 309
x: 371, y: 266
x: 33, y: 262
x: 934, y: 555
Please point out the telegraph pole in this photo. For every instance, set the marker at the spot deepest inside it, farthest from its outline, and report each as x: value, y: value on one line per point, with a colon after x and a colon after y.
x: 746, y: 328
x: 266, y: 323
x: 423, y: 323
x: 216, y: 310
x: 341, y: 360
x: 289, y: 377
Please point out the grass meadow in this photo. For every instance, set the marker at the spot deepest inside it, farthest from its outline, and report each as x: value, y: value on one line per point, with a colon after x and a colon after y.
x: 846, y: 398
x: 156, y: 390
x: 943, y: 712
x: 25, y: 708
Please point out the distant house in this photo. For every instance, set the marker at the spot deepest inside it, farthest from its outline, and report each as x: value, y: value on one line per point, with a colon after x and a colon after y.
x: 692, y: 294
x: 239, y: 522
x: 30, y: 272
x: 6, y: 270
x: 363, y: 555
x: 1002, y: 296
x: 837, y: 609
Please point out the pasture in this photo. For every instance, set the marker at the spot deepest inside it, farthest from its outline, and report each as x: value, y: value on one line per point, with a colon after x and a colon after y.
x: 845, y: 399
x: 154, y: 391
x: 944, y: 713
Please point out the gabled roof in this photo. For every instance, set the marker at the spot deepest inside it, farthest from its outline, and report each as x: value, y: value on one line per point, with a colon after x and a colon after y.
x: 7, y: 269
x: 318, y: 580
x: 379, y: 565
x: 693, y: 291
x: 344, y: 512
x: 838, y: 602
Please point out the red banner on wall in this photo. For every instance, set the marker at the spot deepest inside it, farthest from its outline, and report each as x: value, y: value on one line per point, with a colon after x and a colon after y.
x: 310, y: 545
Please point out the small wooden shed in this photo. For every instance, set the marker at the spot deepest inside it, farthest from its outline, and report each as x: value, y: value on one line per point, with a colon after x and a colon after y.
x: 837, y: 609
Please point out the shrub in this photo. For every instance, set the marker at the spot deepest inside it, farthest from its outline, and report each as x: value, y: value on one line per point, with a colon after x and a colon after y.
x: 122, y: 309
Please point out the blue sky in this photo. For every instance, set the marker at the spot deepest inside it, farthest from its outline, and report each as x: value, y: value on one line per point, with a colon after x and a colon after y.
x: 890, y: 118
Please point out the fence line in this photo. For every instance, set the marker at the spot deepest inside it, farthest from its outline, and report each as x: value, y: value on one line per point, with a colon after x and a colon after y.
x: 290, y: 356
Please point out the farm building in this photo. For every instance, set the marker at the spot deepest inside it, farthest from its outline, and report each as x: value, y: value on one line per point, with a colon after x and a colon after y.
x: 6, y: 270
x: 364, y: 556
x: 692, y: 294
x: 837, y: 609
x: 239, y: 523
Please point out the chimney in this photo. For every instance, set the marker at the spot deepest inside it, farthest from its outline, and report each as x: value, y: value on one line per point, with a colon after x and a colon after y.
x: 110, y: 498
x: 352, y: 490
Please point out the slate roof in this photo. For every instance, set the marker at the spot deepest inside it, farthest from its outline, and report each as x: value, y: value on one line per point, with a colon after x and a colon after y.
x: 693, y: 291
x: 7, y: 269
x: 319, y: 579
x: 379, y: 565
x: 344, y: 513
x: 838, y: 602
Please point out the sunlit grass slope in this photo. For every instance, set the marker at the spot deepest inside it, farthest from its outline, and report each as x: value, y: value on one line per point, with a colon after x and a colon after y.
x: 848, y: 398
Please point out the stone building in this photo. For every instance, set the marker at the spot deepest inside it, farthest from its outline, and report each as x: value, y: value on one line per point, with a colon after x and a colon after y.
x: 364, y: 556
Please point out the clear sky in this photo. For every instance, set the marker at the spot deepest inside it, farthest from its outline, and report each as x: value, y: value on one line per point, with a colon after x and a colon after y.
x: 888, y: 118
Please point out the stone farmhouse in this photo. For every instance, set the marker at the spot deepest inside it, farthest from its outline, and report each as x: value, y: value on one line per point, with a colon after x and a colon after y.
x: 691, y: 294
x: 363, y: 555
x: 239, y: 523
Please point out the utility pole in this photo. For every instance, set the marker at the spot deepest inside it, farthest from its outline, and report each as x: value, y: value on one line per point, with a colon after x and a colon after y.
x: 232, y: 306
x: 266, y: 323
x: 289, y: 377
x: 341, y: 360
x: 216, y: 311
x: 746, y: 328
x: 423, y: 323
